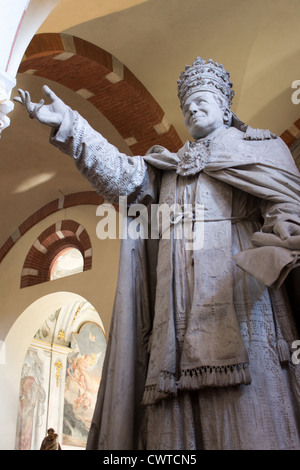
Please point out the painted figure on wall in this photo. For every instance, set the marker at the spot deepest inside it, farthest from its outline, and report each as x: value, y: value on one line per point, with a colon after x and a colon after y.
x: 32, y: 398
x: 199, y: 354
x: 83, y: 377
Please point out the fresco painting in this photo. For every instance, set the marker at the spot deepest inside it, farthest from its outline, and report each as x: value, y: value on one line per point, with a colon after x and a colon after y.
x: 83, y: 375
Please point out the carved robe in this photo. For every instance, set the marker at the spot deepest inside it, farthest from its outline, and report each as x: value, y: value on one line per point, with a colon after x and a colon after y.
x: 199, y: 351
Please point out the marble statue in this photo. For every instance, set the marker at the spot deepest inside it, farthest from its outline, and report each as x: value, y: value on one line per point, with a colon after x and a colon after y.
x: 200, y: 347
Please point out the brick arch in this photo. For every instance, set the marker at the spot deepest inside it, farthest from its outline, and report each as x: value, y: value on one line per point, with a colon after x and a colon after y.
x: 71, y: 200
x: 105, y: 82
x: 56, y: 238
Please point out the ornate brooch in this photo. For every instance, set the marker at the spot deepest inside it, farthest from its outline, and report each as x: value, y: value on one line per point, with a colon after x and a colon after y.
x: 194, y: 160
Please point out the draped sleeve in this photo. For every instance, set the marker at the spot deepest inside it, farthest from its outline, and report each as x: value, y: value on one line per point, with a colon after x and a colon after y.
x: 110, y: 172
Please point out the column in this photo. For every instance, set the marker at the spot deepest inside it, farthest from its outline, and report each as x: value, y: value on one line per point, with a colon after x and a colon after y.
x: 19, y: 21
x: 57, y: 388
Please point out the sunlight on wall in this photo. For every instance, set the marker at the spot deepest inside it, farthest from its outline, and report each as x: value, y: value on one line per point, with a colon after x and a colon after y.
x: 33, y: 181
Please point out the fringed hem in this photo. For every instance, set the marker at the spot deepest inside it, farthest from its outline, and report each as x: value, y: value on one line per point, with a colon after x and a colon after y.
x: 196, y: 379
x: 215, y: 376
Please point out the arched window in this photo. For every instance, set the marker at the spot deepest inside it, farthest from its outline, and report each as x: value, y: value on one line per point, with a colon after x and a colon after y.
x: 66, y: 263
x: 61, y: 250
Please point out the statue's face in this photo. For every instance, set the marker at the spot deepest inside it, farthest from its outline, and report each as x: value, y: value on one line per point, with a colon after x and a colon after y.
x: 202, y: 114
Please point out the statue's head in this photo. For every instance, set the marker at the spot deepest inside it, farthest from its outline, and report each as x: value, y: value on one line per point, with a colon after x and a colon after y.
x: 205, y: 94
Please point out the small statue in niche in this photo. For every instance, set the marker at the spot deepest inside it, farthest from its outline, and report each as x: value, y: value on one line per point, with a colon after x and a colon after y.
x: 50, y: 442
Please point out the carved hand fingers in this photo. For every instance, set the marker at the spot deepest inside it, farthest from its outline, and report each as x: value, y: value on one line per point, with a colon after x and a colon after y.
x: 51, y: 114
x: 20, y: 99
x: 37, y: 108
x: 286, y: 229
x: 25, y: 100
x: 50, y: 94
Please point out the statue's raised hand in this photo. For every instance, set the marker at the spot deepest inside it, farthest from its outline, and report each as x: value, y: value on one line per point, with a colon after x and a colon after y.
x: 51, y: 114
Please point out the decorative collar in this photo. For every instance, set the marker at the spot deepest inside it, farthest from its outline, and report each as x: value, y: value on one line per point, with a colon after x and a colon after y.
x: 195, y: 155
x: 194, y: 160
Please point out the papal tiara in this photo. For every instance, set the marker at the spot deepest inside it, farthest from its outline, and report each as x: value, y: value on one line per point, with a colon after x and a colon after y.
x: 205, y: 76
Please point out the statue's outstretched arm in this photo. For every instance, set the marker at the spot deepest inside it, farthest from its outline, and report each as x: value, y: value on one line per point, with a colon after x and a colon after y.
x: 110, y: 172
x: 50, y: 114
